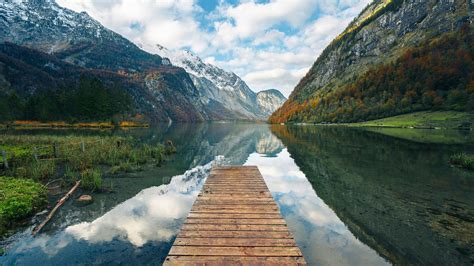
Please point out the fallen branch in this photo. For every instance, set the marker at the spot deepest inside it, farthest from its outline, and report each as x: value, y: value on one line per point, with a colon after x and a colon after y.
x: 58, y: 205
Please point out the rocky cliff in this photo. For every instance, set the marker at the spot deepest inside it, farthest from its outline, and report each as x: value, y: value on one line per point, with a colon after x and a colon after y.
x: 378, y: 36
x: 269, y: 101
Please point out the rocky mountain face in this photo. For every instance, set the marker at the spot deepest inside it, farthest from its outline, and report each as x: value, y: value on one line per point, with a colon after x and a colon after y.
x: 270, y: 100
x: 225, y: 90
x: 379, y: 35
x: 63, y: 45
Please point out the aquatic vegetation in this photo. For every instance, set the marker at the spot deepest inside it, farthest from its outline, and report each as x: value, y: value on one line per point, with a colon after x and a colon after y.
x: 123, y: 167
x: 462, y: 160
x: 169, y: 147
x: 37, y: 157
x: 19, y: 198
x: 44, y: 158
x: 40, y: 170
x: 91, y: 179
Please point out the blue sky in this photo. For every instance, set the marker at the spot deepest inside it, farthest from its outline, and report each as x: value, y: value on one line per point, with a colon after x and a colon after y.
x: 269, y: 44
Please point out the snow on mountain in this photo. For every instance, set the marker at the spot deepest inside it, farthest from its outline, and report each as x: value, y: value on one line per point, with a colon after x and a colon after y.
x: 270, y: 100
x: 218, y: 85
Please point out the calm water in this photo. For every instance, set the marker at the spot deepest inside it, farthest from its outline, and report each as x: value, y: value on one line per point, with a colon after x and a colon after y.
x: 349, y: 196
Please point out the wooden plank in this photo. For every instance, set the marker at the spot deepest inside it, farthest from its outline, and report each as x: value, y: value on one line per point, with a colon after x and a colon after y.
x: 265, y: 207
x: 234, y: 251
x: 234, y: 227
x: 215, y: 220
x: 235, y: 242
x: 234, y: 221
x: 248, y: 211
x: 237, y: 234
x: 233, y: 260
x: 241, y: 216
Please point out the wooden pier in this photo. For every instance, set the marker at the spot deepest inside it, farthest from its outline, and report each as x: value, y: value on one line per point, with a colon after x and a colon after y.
x: 235, y: 221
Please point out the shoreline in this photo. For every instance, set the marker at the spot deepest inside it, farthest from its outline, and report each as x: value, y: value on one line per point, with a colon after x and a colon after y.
x: 26, y: 124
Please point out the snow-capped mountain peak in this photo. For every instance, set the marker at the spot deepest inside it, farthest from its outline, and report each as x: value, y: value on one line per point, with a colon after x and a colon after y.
x: 218, y: 85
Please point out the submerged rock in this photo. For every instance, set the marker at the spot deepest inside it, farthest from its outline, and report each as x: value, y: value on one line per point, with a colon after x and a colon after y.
x: 84, y: 200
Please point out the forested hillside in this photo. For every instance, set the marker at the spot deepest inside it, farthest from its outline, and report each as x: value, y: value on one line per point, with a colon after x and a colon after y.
x: 437, y: 75
x: 396, y: 57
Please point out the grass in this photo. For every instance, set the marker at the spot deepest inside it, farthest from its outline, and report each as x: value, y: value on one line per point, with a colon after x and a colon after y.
x: 91, y: 179
x: 437, y: 119
x: 426, y: 135
x: 19, y: 198
x: 108, y: 151
x: 462, y: 160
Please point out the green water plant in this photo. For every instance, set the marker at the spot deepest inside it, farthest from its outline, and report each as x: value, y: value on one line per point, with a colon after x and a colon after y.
x: 463, y: 160
x: 19, y: 198
x: 91, y: 179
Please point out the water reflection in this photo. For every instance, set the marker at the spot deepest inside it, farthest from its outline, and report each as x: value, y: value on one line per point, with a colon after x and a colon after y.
x: 322, y: 236
x: 152, y: 218
x: 350, y: 197
x: 397, y: 195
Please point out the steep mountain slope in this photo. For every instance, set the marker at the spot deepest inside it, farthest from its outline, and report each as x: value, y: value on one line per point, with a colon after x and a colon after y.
x: 269, y: 101
x: 384, y: 36
x: 61, y: 39
x: 218, y: 87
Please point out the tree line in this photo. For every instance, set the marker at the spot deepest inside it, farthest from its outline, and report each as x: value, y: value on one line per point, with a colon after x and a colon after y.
x: 88, y: 100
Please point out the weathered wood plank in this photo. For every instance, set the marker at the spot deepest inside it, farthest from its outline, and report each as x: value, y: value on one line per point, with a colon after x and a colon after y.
x: 241, y: 216
x: 235, y: 251
x: 234, y: 227
x: 235, y: 242
x: 214, y: 220
x: 233, y: 260
x: 237, y: 234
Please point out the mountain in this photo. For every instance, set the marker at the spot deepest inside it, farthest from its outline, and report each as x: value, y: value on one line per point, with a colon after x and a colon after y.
x: 45, y: 47
x: 225, y: 89
x: 397, y: 56
x: 269, y: 101
x: 63, y: 45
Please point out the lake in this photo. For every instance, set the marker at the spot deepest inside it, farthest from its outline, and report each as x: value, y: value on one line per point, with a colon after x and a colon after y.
x: 350, y: 196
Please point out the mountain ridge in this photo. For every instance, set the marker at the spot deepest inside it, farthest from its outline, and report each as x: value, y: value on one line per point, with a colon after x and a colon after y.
x: 221, y: 86
x: 160, y: 91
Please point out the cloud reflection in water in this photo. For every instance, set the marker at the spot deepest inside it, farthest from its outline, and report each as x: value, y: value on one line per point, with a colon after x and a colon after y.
x: 155, y: 214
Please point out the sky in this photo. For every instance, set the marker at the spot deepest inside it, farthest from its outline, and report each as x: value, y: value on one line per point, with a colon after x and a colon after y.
x: 270, y: 44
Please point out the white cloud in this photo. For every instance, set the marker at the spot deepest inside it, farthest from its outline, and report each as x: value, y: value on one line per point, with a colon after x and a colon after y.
x: 280, y: 39
x: 280, y: 78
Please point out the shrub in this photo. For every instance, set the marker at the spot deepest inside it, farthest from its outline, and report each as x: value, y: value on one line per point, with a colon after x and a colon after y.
x: 91, y: 179
x: 20, y: 198
x: 463, y: 160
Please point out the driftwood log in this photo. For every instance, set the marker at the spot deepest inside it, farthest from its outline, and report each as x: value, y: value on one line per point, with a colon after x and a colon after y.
x: 58, y: 205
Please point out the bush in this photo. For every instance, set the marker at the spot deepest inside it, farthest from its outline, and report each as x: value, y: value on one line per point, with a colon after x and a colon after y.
x: 91, y: 179
x: 463, y: 160
x: 19, y: 198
